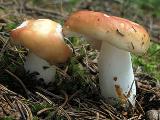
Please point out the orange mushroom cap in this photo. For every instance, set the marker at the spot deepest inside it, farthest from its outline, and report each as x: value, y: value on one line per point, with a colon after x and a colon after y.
x: 119, y: 32
x: 43, y: 37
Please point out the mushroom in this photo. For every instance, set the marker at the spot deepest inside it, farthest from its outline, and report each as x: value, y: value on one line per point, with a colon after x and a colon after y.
x: 44, y: 39
x: 117, y: 37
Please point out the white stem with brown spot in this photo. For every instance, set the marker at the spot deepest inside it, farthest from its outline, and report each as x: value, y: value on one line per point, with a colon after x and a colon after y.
x: 116, y: 75
x: 34, y: 63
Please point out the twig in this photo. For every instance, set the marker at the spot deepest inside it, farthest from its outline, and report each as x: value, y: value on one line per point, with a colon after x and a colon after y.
x: 66, y: 98
x: 111, y: 114
x: 20, y: 81
x: 133, y: 118
x: 45, y: 98
x: 72, y: 46
x: 25, y: 108
x: 49, y: 93
x: 43, y: 11
x: 140, y: 107
x: 30, y: 116
x: 97, y: 116
x: 6, y: 3
x: 108, y: 106
x: 20, y: 110
x: 8, y: 101
x: 74, y: 94
x: 65, y: 113
x: 44, y: 110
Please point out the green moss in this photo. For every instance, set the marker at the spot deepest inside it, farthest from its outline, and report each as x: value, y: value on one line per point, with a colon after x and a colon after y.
x: 150, y: 63
x: 7, y: 118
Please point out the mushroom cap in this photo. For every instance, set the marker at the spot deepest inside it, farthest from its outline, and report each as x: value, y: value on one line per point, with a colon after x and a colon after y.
x: 119, y: 32
x: 44, y: 38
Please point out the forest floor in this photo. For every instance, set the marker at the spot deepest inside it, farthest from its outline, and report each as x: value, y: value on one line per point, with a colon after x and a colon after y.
x: 75, y: 95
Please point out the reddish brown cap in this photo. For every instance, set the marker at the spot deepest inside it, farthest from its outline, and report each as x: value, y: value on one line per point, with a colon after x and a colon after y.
x: 119, y: 32
x: 44, y: 38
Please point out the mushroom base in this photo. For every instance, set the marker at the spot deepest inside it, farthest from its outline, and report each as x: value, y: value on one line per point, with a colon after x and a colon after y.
x: 116, y: 75
x: 34, y: 63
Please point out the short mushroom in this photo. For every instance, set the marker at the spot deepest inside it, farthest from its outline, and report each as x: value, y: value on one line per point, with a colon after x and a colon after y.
x: 119, y: 37
x: 44, y: 39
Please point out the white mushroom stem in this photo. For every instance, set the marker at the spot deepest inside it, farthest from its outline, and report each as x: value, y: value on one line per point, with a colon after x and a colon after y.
x: 116, y: 75
x: 34, y: 63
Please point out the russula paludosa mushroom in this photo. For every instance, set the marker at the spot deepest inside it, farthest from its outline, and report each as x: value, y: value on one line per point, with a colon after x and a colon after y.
x: 44, y: 39
x: 117, y: 38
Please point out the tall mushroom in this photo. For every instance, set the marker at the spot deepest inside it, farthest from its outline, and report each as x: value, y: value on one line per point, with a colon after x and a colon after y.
x: 44, y: 39
x: 119, y: 37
